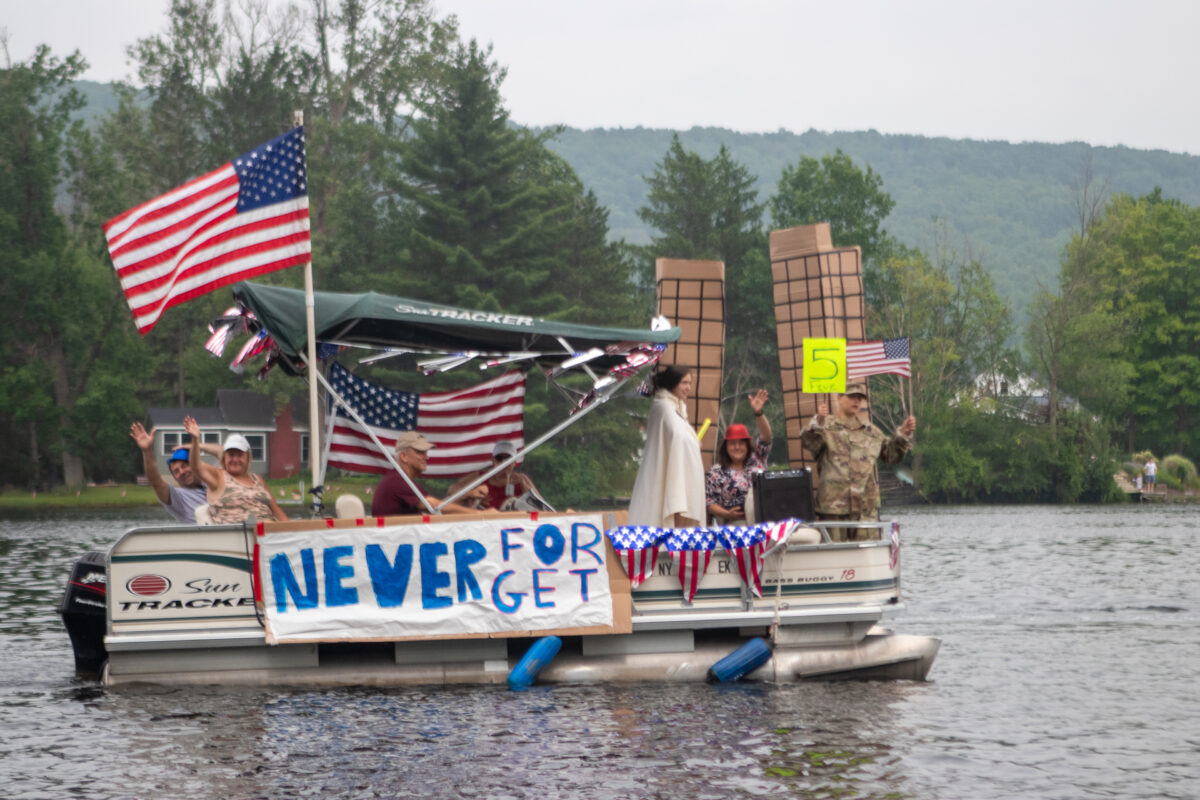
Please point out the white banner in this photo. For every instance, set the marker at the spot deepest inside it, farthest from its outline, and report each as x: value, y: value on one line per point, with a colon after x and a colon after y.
x: 452, y: 577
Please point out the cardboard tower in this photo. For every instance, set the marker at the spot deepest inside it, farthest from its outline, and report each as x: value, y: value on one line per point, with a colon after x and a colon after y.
x: 818, y: 293
x: 691, y: 294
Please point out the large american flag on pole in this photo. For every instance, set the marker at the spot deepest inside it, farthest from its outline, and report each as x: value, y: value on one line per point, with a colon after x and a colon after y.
x: 247, y: 218
x: 877, y: 358
x: 463, y: 425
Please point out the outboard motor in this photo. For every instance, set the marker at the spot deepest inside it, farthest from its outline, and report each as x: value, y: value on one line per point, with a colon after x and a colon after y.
x: 83, y: 611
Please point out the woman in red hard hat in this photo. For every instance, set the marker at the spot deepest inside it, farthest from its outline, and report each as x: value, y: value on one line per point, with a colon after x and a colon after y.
x: 728, y: 481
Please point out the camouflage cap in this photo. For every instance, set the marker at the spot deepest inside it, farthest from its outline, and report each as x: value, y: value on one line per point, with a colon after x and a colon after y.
x: 856, y: 387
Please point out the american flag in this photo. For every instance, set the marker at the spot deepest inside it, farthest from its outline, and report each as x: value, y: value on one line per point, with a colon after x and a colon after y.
x: 247, y: 218
x: 637, y: 547
x: 878, y: 358
x: 894, y: 547
x: 463, y: 425
x: 692, y: 549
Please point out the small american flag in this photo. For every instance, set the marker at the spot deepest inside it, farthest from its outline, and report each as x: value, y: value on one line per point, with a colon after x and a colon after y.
x: 247, y: 218
x: 637, y: 547
x: 463, y: 425
x: 894, y: 547
x: 878, y: 358
x: 692, y: 549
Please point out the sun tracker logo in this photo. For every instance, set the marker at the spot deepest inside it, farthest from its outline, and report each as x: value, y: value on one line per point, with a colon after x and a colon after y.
x: 147, y: 585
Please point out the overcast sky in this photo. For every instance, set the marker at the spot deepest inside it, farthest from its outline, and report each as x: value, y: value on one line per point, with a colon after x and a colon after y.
x: 1101, y: 71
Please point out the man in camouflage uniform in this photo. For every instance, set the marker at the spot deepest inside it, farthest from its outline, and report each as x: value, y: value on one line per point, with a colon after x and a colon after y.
x: 846, y: 449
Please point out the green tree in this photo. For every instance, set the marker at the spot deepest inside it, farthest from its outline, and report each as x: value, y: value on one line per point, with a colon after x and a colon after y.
x: 492, y: 203
x: 62, y: 334
x: 836, y: 191
x: 1074, y: 340
x: 709, y: 209
x: 505, y: 224
x: 957, y: 324
x: 1148, y: 276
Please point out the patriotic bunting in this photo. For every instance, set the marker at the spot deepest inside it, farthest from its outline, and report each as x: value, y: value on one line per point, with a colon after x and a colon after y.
x: 637, y: 547
x: 745, y: 547
x: 692, y: 549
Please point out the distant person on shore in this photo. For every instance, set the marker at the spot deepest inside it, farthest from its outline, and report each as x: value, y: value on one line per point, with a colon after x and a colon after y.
x: 181, y: 500
x: 235, y: 494
x: 1151, y: 472
x: 669, y: 489
x: 394, y: 497
x: 846, y: 449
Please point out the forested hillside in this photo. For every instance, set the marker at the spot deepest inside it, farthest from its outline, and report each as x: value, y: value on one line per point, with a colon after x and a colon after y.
x: 1011, y: 203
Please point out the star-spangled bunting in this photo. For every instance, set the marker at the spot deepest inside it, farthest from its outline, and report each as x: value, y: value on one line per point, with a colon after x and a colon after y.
x: 748, y: 546
x: 744, y: 546
x: 637, y: 547
x: 692, y: 549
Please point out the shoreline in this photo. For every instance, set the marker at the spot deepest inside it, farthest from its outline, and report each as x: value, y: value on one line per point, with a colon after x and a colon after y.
x: 119, y: 496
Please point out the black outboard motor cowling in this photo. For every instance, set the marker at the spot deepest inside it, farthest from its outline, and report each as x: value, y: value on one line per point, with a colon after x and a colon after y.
x: 83, y: 611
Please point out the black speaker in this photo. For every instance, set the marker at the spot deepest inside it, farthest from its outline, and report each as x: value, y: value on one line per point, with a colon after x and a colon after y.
x: 783, y: 494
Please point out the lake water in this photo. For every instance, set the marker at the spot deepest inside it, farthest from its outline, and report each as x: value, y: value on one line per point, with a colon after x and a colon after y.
x: 1069, y: 668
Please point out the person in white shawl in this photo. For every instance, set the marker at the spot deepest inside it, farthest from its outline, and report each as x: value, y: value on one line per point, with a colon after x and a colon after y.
x: 669, y: 490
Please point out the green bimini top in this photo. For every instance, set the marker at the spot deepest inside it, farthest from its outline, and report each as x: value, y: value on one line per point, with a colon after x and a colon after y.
x: 398, y: 323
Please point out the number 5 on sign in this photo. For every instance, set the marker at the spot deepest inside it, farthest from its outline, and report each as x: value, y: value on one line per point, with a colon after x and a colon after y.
x: 824, y: 366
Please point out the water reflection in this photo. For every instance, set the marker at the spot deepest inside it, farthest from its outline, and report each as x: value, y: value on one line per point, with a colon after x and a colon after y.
x: 1069, y: 643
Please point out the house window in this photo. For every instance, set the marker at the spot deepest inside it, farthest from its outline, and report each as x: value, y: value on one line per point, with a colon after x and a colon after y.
x: 304, y: 448
x: 173, y: 441
x: 258, y: 446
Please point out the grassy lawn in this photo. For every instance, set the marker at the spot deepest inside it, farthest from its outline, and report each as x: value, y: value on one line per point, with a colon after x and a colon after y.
x: 129, y: 495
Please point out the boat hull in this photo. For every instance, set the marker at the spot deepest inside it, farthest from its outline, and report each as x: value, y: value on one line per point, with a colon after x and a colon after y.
x: 181, y: 611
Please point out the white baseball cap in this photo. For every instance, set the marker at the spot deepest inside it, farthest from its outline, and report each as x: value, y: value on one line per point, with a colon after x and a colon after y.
x: 235, y: 441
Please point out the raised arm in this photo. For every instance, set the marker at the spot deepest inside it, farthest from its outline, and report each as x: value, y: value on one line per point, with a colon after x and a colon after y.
x: 757, y: 401
x: 206, y: 472
x: 894, y: 449
x: 145, y: 442
x: 813, y: 435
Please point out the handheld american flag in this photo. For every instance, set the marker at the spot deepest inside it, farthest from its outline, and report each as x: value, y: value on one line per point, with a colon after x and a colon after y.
x: 247, y: 218
x: 463, y: 425
x: 878, y: 358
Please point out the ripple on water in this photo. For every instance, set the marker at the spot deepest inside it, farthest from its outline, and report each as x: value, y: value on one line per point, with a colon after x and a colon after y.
x: 1070, y: 638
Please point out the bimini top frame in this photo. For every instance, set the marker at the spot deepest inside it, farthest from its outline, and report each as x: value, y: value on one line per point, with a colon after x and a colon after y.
x: 452, y: 337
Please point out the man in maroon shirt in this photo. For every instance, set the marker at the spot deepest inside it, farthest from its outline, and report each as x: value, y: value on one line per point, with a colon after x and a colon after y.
x: 394, y: 497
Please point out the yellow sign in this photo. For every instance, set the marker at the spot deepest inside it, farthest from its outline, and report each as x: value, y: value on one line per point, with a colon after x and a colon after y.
x: 824, y: 366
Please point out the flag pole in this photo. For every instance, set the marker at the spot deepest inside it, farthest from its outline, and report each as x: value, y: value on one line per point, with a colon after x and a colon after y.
x: 314, y: 411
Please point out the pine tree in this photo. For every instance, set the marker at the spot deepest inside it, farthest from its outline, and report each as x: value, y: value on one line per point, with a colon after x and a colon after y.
x: 491, y: 201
